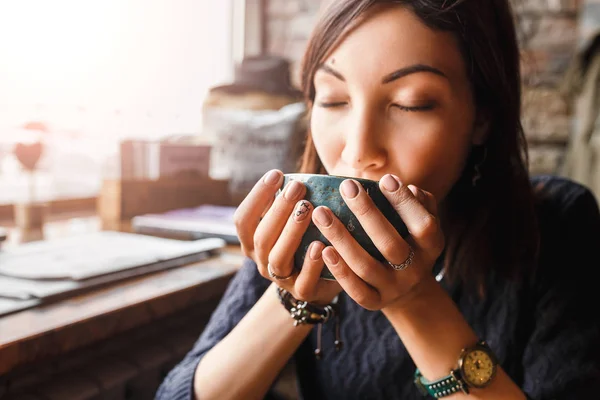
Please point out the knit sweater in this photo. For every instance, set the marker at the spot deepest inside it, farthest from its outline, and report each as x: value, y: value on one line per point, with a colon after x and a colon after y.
x: 545, y: 332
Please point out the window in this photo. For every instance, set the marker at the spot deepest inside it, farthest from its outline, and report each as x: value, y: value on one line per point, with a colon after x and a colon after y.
x: 95, y: 72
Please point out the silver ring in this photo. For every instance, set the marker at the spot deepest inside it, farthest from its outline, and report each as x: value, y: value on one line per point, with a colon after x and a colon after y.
x: 275, y: 276
x: 406, y: 263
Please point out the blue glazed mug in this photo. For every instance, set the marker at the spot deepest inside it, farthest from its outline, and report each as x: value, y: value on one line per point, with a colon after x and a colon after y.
x: 323, y: 190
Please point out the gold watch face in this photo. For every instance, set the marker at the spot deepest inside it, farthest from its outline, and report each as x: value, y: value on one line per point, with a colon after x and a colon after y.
x: 478, y: 368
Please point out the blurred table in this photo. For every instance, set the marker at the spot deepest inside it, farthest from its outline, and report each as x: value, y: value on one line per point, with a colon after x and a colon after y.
x: 115, y: 342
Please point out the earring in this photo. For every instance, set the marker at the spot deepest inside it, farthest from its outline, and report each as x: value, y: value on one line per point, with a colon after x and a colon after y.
x: 478, y: 165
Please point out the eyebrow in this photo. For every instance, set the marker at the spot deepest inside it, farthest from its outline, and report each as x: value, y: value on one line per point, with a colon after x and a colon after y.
x: 402, y: 72
x: 411, y: 69
x: 331, y: 71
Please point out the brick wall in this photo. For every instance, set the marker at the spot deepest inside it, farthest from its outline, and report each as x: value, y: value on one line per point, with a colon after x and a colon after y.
x: 547, y: 33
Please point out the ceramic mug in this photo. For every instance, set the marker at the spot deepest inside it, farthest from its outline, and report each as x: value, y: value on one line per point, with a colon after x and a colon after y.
x: 323, y: 190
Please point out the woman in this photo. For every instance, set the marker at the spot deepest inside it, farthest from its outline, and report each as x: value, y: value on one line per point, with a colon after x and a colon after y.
x: 424, y: 96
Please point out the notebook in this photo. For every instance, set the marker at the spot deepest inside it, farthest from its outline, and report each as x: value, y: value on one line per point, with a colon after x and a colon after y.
x: 192, y: 223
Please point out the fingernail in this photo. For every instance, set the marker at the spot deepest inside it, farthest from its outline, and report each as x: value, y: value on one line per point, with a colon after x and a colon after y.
x: 302, y: 210
x: 315, y: 251
x: 272, y: 177
x: 415, y: 191
x: 293, y: 191
x: 349, y: 189
x: 390, y: 183
x: 323, y: 217
x: 330, y: 256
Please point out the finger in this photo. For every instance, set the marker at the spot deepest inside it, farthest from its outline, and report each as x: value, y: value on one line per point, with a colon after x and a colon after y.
x: 422, y: 225
x: 363, y: 265
x: 352, y: 284
x: 270, y: 227
x: 248, y: 214
x: 281, y: 256
x: 268, y: 207
x: 383, y: 234
x: 308, y: 279
x: 425, y: 198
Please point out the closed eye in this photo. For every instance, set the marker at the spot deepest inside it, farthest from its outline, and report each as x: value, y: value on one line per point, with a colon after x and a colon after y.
x: 331, y: 105
x: 427, y: 107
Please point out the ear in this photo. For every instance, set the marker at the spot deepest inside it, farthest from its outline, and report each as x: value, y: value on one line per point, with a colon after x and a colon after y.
x: 481, y: 128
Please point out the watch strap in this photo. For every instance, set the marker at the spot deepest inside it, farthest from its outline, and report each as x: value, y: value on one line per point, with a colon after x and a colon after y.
x: 442, y: 387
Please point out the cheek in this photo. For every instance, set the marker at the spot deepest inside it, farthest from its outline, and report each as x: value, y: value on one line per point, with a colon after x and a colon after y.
x: 432, y: 154
x: 327, y: 141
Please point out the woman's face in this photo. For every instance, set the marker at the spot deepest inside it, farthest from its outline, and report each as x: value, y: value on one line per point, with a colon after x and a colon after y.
x: 394, y: 97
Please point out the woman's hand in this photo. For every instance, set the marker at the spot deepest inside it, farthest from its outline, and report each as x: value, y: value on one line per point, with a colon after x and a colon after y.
x: 372, y: 284
x: 274, y: 239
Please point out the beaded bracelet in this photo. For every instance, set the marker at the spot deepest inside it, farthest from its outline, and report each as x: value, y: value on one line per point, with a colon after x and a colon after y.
x: 305, y: 313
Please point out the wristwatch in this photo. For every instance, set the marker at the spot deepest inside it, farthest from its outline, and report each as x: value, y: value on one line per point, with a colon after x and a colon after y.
x: 476, y: 369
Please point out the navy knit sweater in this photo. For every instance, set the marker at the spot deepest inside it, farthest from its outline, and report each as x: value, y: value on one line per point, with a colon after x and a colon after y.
x: 546, y: 334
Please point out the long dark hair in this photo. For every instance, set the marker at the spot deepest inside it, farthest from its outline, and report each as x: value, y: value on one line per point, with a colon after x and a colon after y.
x: 490, y: 228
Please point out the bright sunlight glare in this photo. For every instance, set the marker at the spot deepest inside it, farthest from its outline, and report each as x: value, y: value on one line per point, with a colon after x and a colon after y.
x: 83, y: 64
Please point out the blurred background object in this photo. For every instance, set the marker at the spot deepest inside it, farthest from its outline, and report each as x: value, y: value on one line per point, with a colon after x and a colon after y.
x: 255, y: 123
x: 30, y: 213
x: 581, y: 88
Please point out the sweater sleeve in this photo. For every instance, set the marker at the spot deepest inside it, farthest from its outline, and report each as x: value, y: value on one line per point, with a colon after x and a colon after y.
x: 243, y: 291
x: 562, y: 357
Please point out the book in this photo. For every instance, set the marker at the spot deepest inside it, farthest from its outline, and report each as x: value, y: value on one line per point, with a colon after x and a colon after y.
x: 206, y: 221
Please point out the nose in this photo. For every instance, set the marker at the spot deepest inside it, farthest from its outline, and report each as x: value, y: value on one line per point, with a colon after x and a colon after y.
x: 363, y: 149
